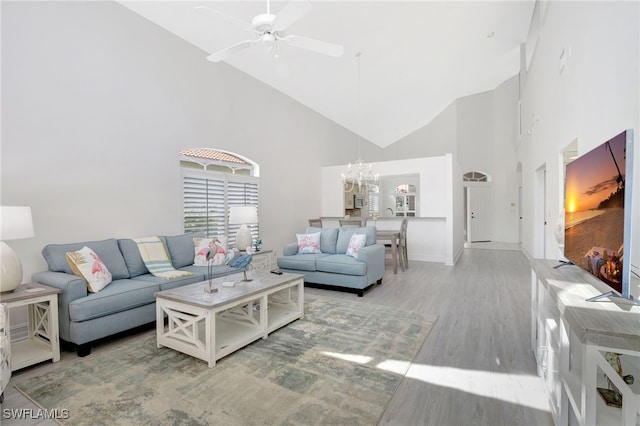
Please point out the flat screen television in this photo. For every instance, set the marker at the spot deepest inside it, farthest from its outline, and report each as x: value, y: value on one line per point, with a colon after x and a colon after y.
x: 597, y: 227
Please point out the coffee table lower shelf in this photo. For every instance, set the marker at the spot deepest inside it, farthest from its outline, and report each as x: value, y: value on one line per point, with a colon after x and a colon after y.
x: 209, y: 329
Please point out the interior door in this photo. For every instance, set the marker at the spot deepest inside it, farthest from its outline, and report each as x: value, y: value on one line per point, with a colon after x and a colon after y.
x: 479, y: 213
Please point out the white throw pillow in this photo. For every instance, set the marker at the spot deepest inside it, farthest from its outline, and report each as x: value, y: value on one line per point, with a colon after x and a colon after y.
x: 355, y: 244
x: 86, y: 264
x: 309, y: 243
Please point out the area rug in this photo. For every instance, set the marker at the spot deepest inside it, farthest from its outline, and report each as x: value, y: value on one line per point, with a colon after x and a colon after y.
x: 340, y: 364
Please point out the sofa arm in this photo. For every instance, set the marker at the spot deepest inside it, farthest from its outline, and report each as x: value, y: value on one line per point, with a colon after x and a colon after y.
x: 373, y: 256
x: 371, y: 253
x: 290, y: 249
x: 73, y: 287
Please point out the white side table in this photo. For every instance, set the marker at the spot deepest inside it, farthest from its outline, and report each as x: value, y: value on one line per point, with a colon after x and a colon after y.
x: 43, y: 342
x: 261, y: 260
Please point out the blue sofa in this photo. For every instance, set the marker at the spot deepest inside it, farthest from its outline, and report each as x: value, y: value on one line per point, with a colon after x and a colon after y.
x: 333, y: 268
x: 128, y: 301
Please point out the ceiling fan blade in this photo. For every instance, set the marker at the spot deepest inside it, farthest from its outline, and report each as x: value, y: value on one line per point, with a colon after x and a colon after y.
x: 289, y: 14
x: 222, y: 54
x: 221, y: 16
x: 317, y: 46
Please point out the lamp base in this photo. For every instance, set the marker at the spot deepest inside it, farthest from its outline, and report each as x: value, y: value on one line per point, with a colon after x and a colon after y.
x: 243, y: 238
x: 11, y: 275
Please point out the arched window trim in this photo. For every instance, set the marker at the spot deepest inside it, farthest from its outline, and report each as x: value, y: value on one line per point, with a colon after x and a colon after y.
x: 199, y: 156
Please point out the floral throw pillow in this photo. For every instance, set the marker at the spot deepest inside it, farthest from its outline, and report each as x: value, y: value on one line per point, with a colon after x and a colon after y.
x: 355, y: 244
x: 309, y: 243
x: 86, y: 264
x: 214, y: 247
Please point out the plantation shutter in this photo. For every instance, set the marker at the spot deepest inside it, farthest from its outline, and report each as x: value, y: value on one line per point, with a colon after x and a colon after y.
x: 242, y: 191
x: 208, y: 197
x: 374, y: 201
x: 204, y: 203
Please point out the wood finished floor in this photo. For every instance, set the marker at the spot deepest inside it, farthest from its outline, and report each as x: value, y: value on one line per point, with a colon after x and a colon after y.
x: 475, y: 368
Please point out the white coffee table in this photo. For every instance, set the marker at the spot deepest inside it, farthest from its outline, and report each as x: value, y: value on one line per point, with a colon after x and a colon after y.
x: 209, y: 326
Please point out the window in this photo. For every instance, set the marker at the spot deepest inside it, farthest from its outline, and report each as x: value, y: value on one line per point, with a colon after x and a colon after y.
x: 475, y: 177
x: 374, y: 201
x: 212, y: 182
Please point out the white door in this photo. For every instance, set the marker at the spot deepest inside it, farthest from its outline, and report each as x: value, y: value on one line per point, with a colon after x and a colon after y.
x: 519, y: 214
x: 478, y: 213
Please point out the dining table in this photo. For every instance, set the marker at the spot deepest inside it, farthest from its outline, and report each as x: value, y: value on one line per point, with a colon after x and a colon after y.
x: 390, y: 236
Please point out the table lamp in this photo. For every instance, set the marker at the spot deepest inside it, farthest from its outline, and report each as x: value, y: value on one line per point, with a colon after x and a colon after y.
x: 243, y: 215
x: 15, y: 224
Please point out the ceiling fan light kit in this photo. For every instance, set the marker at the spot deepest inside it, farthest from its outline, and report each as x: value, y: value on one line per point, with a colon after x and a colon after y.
x: 270, y: 29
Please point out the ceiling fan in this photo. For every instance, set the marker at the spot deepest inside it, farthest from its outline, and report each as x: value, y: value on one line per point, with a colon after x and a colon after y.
x: 270, y: 30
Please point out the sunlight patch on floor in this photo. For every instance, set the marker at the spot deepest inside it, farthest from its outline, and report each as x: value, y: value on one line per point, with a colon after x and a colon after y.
x: 394, y: 366
x: 358, y: 359
x: 522, y: 389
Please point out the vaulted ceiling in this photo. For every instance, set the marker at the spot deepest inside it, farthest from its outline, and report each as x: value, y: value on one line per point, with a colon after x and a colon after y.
x: 416, y: 56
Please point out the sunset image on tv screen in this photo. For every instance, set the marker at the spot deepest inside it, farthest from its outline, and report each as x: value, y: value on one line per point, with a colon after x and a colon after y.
x: 594, y: 211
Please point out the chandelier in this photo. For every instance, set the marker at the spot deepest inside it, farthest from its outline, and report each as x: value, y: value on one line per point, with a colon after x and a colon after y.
x: 360, y: 173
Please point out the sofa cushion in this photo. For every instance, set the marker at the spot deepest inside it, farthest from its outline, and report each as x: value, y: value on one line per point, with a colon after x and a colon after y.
x: 120, y: 295
x: 300, y: 262
x: 341, y: 264
x: 345, y: 233
x: 87, y: 264
x: 132, y: 258
x: 165, y: 284
x: 107, y: 250
x: 328, y: 238
x: 216, y: 270
x: 180, y: 248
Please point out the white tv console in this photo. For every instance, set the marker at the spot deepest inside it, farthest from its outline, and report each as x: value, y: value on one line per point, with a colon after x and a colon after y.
x: 570, y: 338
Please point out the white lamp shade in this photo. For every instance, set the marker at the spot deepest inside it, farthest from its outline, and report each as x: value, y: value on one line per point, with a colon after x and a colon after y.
x: 15, y: 223
x: 242, y: 215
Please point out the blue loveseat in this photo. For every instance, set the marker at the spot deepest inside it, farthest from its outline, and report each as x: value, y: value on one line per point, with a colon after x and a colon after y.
x: 128, y: 301
x: 333, y: 268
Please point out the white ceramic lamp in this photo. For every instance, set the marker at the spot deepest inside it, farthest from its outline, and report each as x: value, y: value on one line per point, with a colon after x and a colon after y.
x: 243, y: 215
x: 15, y: 224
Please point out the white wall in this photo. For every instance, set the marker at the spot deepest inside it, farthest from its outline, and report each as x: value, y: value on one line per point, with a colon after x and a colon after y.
x: 438, y: 137
x: 593, y: 99
x: 480, y: 131
x: 97, y: 102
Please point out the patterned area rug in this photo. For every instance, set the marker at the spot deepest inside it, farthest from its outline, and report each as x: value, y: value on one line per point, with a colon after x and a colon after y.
x: 341, y: 364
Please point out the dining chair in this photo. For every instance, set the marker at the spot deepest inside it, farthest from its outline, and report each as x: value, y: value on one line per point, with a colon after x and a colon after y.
x: 404, y: 254
x: 351, y: 222
x: 315, y: 223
